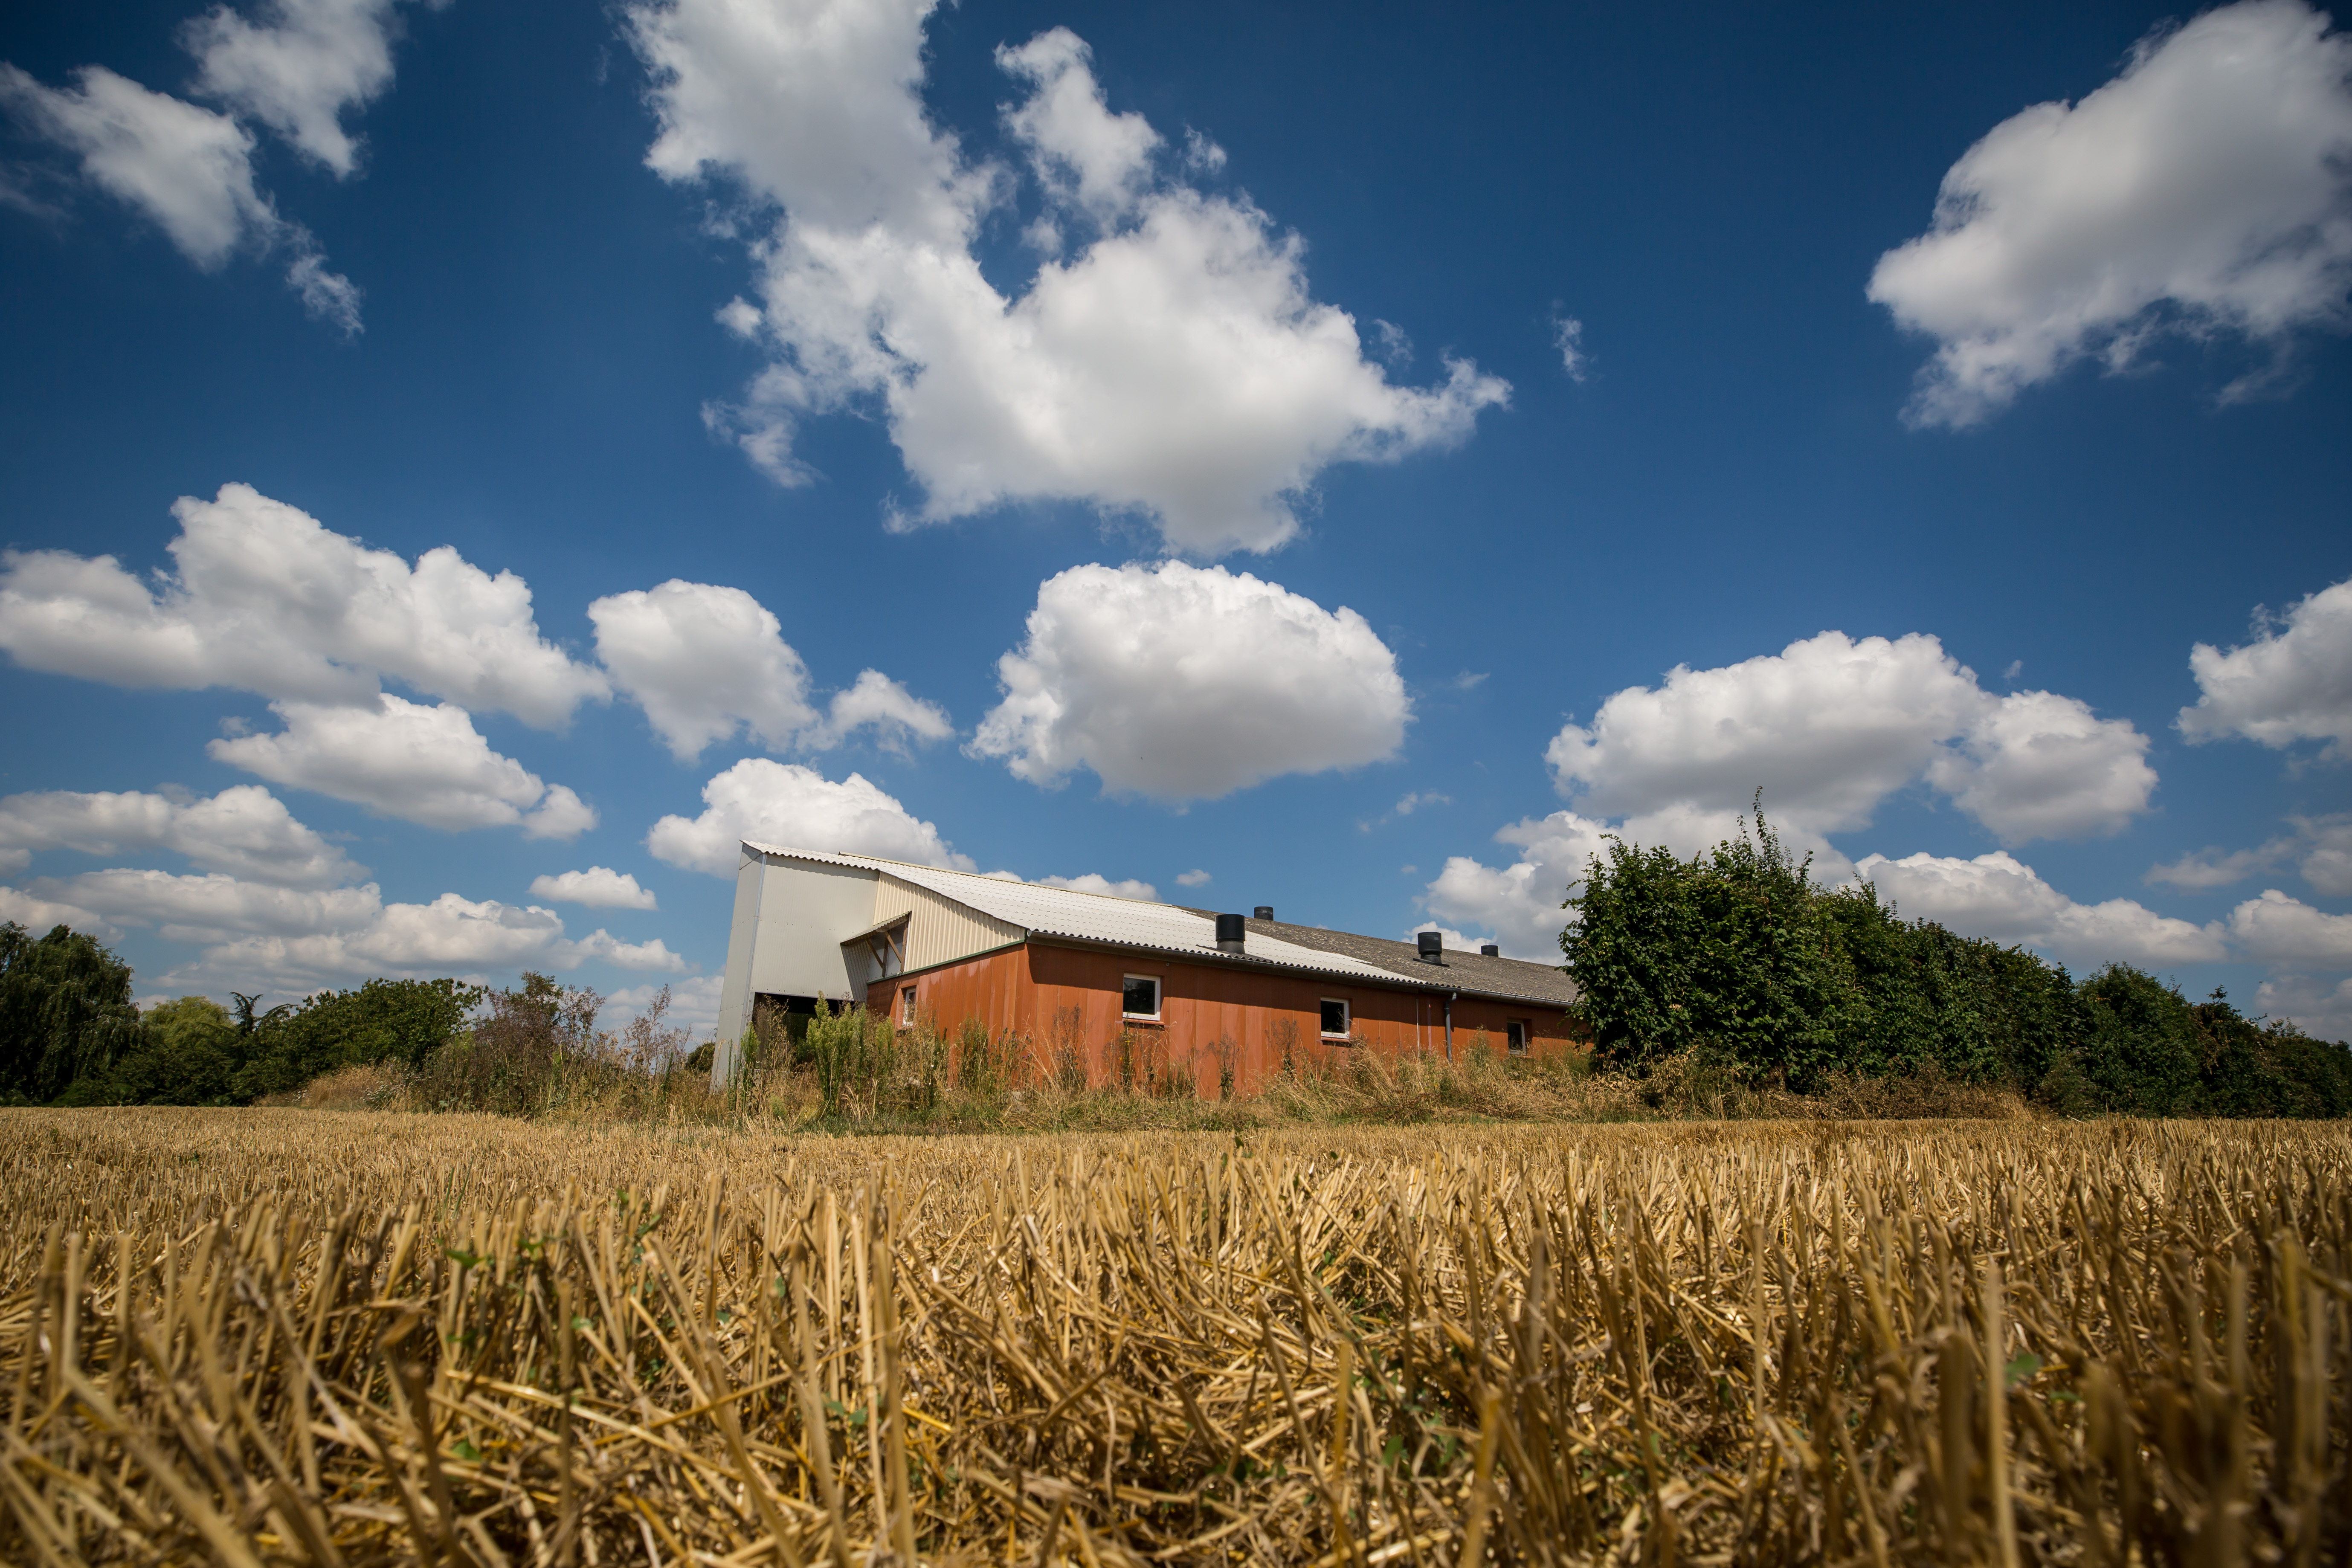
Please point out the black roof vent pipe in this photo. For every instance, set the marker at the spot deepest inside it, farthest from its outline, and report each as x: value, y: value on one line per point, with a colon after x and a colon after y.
x: 1433, y: 947
x: 1262, y: 912
x: 1229, y: 933
x: 1491, y: 951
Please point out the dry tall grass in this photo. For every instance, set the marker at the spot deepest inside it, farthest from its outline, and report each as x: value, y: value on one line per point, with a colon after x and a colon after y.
x: 311, y: 1337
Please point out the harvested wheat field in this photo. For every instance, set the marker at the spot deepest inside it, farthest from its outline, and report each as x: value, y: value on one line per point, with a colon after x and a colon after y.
x: 287, y: 1336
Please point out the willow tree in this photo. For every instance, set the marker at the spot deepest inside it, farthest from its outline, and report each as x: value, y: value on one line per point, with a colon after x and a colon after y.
x: 65, y: 1012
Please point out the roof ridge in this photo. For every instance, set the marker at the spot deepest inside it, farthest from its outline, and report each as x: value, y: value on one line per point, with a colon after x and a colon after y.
x: 975, y: 876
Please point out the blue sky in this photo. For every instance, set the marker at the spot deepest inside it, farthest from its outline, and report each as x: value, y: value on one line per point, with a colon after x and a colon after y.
x: 1363, y: 456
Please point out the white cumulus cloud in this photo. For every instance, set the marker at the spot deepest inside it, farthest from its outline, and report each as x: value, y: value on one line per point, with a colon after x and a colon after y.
x: 1175, y: 366
x: 1194, y: 879
x: 2213, y: 867
x: 1998, y: 897
x: 703, y: 661
x: 2326, y: 849
x: 40, y: 915
x: 1082, y: 152
x: 1521, y: 903
x: 212, y: 907
x: 2284, y: 932
x: 2285, y: 686
x: 297, y: 71
x: 185, y: 169
x: 1184, y: 683
x: 423, y: 764
x: 796, y: 807
x: 598, y: 888
x: 282, y: 940
x: 2208, y: 187
x: 1828, y: 728
x: 878, y: 704
x: 2322, y: 1008
x: 244, y: 831
x: 266, y: 599
x: 1831, y: 726
x: 706, y: 662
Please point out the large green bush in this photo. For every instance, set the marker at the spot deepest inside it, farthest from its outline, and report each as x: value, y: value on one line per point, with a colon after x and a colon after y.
x: 1738, y: 958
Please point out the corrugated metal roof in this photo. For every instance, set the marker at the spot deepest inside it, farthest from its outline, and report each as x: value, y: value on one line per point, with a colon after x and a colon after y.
x: 1106, y: 918
x: 1513, y: 978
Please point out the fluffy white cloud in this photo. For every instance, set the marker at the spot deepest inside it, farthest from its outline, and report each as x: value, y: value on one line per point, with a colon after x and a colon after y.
x: 2282, y: 932
x: 2213, y: 867
x: 267, y: 600
x: 185, y: 169
x: 1195, y: 879
x: 1176, y: 366
x: 2038, y: 765
x: 641, y: 955
x: 1998, y: 897
x: 2321, y: 847
x: 212, y: 907
x: 2320, y: 1008
x: 2326, y: 861
x: 1521, y: 903
x: 706, y: 661
x: 282, y: 939
x: 2285, y: 686
x: 2208, y: 186
x: 1083, y: 152
x: 599, y: 888
x: 1181, y: 683
x: 297, y: 72
x: 785, y: 803
x: 1829, y: 726
x: 879, y: 703
x: 404, y: 759
x: 38, y: 915
x: 244, y: 831
x: 703, y: 661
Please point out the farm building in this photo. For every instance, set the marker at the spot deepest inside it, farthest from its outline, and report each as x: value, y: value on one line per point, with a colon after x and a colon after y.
x: 1075, y: 970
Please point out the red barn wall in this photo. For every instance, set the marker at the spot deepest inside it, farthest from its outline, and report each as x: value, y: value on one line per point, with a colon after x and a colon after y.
x: 1028, y: 989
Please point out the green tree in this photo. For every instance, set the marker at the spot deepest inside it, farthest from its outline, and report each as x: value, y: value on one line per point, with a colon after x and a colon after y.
x: 1737, y: 955
x: 1730, y: 951
x: 383, y: 1020
x: 189, y: 1056
x: 66, y: 1014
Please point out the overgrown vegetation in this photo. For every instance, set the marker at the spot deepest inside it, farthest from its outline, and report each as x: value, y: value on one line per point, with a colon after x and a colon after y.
x: 393, y: 1340
x: 1736, y: 959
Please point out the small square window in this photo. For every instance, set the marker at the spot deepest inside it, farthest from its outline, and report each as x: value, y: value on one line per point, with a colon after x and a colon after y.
x: 906, y: 1008
x: 1335, y: 1019
x: 1516, y: 1033
x: 1140, y: 998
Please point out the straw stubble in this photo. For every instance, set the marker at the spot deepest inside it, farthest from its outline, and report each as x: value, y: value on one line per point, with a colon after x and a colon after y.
x: 310, y: 1338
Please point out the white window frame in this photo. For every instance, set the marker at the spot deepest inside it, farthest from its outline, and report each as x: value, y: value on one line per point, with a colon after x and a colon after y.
x: 1159, y: 999
x: 906, y: 1007
x: 1526, y: 1032
x: 1347, y: 1012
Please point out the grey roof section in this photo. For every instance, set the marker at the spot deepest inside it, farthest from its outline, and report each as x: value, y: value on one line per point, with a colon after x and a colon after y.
x: 1510, y: 978
x: 1114, y: 921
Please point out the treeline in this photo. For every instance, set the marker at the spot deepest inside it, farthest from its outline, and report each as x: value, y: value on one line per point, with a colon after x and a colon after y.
x: 71, y: 1034
x: 1738, y: 958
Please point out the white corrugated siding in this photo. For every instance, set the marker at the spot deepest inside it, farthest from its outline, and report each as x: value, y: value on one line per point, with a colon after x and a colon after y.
x: 941, y: 930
